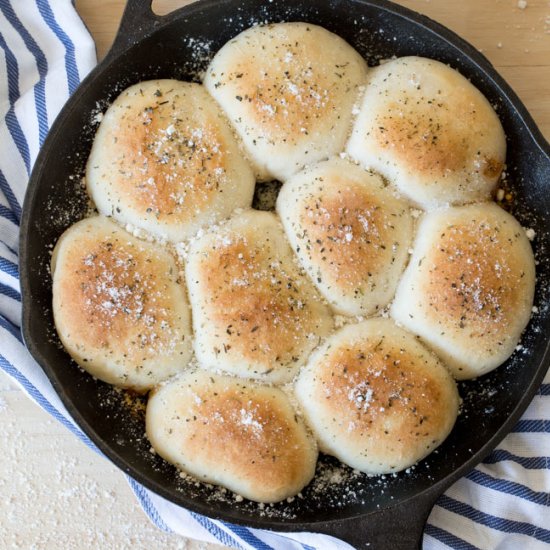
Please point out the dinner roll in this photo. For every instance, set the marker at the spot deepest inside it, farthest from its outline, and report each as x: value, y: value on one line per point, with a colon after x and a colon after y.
x: 430, y: 132
x: 350, y: 233
x: 119, y: 306
x: 376, y: 398
x: 255, y: 314
x: 164, y: 160
x: 230, y: 432
x: 289, y: 89
x: 468, y: 290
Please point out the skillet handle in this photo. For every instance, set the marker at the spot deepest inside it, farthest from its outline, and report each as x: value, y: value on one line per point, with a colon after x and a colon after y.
x: 138, y: 21
x: 399, y: 527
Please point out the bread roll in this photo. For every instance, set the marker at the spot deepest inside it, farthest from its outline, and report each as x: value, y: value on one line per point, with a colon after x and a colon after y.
x: 429, y: 131
x: 232, y: 433
x: 164, y: 160
x: 468, y: 290
x: 376, y: 398
x: 350, y: 233
x: 119, y: 306
x: 255, y: 314
x: 289, y: 90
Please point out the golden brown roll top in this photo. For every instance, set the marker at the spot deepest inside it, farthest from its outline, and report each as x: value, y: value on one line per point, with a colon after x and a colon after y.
x: 164, y: 160
x: 233, y: 433
x: 468, y: 290
x: 289, y: 90
x: 349, y: 232
x: 255, y: 314
x: 119, y: 305
x: 376, y: 398
x: 429, y: 131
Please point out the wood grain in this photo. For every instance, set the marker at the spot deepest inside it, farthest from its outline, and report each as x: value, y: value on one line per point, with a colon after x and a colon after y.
x: 515, y: 40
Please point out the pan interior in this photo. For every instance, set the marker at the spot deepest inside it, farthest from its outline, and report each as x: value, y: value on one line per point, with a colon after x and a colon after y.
x: 181, y: 48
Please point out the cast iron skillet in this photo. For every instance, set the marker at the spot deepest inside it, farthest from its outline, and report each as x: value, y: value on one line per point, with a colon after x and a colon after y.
x: 385, y: 514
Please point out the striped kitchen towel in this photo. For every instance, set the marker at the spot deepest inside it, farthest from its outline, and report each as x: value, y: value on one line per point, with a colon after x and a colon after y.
x: 45, y: 52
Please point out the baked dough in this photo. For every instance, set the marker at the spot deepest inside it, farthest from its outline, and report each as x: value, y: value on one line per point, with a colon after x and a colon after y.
x: 119, y: 306
x: 429, y: 131
x: 164, y: 160
x: 289, y: 90
x: 349, y: 231
x: 468, y: 290
x: 376, y: 398
x: 255, y: 314
x: 176, y: 163
x: 232, y: 433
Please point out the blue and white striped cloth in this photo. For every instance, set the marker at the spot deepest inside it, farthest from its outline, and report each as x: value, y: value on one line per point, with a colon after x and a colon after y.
x: 45, y: 51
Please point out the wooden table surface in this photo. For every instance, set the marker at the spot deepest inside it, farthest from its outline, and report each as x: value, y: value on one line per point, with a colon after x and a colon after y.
x: 58, y: 494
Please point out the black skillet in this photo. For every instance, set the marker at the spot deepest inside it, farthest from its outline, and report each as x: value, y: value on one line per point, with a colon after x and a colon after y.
x: 385, y: 514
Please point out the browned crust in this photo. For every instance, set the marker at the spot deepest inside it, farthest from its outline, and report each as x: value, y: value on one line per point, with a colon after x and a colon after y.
x: 386, y: 396
x: 255, y: 302
x: 472, y: 283
x: 292, y: 100
x: 432, y: 135
x: 115, y: 297
x: 345, y: 231
x: 421, y: 139
x: 170, y: 176
x: 257, y: 439
x: 166, y: 151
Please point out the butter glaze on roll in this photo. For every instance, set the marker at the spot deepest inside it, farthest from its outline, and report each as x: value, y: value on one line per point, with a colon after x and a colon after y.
x: 255, y: 313
x: 289, y: 90
x: 233, y: 433
x: 350, y: 233
x: 119, y: 306
x: 429, y: 131
x: 468, y: 290
x: 376, y: 398
x: 165, y: 160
